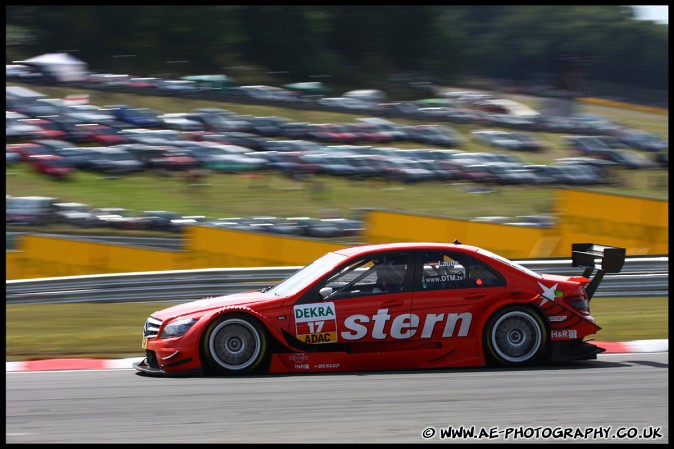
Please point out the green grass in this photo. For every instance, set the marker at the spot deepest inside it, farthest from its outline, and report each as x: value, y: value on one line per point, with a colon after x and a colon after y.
x: 628, y: 318
x: 267, y: 193
x: 114, y: 330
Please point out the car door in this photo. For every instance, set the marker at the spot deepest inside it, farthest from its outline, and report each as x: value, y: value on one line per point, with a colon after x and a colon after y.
x: 451, y: 288
x: 348, y: 308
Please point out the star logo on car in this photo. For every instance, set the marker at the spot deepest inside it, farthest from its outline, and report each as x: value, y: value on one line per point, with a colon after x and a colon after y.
x: 548, y: 293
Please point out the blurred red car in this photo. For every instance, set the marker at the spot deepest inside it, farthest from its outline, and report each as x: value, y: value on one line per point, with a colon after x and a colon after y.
x: 387, y: 306
x: 27, y: 149
x: 332, y: 133
x: 51, y: 165
x: 48, y: 129
x: 98, y: 134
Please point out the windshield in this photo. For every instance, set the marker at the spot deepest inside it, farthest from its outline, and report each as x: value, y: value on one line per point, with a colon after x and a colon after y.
x: 307, y: 275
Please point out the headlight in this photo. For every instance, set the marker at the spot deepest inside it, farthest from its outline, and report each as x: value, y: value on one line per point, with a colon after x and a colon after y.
x: 177, y: 328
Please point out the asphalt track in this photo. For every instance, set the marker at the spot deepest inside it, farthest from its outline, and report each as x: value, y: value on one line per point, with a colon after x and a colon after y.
x: 617, y: 394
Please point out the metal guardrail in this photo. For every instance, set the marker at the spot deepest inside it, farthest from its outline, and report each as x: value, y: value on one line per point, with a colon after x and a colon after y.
x: 641, y: 277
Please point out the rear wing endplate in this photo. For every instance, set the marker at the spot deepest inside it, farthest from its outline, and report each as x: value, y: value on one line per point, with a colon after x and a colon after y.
x: 586, y: 255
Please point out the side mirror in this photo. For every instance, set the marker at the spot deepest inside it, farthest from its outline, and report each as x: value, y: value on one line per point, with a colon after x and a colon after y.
x: 325, y: 292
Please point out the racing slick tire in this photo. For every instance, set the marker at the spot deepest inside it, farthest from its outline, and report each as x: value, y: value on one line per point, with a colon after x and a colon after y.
x: 515, y: 336
x: 234, y: 344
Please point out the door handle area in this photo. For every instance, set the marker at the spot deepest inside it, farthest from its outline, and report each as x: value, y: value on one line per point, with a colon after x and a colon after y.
x: 477, y: 296
x: 394, y: 303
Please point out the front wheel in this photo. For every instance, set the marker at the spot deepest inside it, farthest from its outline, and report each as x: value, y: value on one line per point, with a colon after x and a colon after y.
x: 515, y: 336
x: 234, y: 344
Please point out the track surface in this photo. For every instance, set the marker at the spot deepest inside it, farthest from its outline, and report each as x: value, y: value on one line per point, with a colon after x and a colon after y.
x: 119, y: 406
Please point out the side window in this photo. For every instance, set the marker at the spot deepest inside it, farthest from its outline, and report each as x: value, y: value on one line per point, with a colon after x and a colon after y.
x: 441, y: 271
x: 369, y: 275
x: 480, y: 275
x: 356, y: 278
x: 446, y: 270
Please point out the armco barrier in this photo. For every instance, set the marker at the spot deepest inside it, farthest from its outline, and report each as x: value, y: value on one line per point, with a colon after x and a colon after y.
x: 640, y: 277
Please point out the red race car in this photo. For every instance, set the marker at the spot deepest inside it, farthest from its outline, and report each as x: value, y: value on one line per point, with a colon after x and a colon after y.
x: 387, y: 306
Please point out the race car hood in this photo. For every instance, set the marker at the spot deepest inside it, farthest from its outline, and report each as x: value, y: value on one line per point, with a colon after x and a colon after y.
x: 203, y: 305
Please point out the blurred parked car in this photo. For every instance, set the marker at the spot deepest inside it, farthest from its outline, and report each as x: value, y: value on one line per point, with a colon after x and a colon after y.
x: 22, y: 73
x: 177, y: 86
x: 162, y: 157
x: 263, y: 92
x: 95, y: 133
x: 17, y: 129
x: 348, y: 104
x: 267, y: 126
x: 494, y: 138
x: 626, y: 158
x: 118, y: 218
x: 30, y: 210
x: 180, y: 121
x: 566, y: 174
x: 434, y: 135
x: 51, y: 165
x: 331, y: 133
x: 585, y: 145
x: 641, y: 140
x: 44, y: 128
x: 162, y: 220
x: 76, y: 214
x: 139, y: 117
x: 499, y: 173
x: 27, y: 149
x: 219, y: 122
x: 110, y: 161
x: 252, y: 141
x: 600, y: 165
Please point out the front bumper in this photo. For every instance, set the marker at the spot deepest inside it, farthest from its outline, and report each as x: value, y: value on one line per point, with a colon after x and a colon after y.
x: 149, y: 366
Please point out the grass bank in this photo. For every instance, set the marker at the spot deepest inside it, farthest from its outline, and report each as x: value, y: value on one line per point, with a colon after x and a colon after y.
x: 114, y: 330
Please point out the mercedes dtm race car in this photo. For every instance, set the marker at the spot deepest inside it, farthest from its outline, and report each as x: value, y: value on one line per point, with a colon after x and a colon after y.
x: 387, y: 306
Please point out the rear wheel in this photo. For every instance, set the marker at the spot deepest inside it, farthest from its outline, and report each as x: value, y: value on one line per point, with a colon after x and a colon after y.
x: 515, y: 336
x: 234, y: 344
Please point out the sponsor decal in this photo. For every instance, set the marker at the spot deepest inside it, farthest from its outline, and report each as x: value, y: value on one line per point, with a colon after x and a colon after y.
x: 405, y: 325
x: 444, y: 278
x: 565, y: 334
x: 549, y: 294
x: 316, y: 323
x: 327, y: 366
x: 557, y: 318
x: 299, y: 357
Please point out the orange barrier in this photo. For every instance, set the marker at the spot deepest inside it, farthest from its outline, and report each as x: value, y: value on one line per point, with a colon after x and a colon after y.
x: 640, y: 225
x: 621, y: 105
x: 40, y: 256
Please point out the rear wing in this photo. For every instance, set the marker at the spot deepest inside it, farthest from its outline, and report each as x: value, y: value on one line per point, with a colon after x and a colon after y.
x: 586, y: 255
